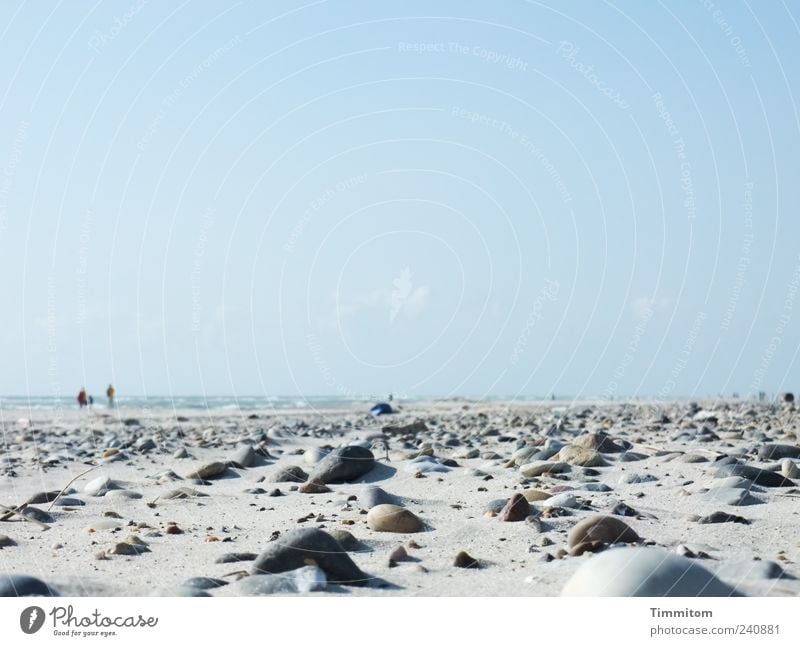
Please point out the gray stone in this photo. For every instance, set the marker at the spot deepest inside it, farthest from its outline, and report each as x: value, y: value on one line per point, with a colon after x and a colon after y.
x: 145, y: 444
x: 637, y: 478
x: 538, y: 467
x: 295, y: 549
x: 42, y: 497
x: 125, y: 494
x: 345, y: 464
x: 755, y: 475
x: 66, y: 501
x: 22, y: 585
x: 236, y: 557
x: 244, y: 458
x: 207, y: 471
x: 289, y: 474
x: 644, y: 572
x: 204, y: 583
x: 425, y: 464
x: 730, y: 496
x: 38, y: 514
x: 302, y: 580
x: 371, y: 496
x: 778, y: 451
x: 566, y: 500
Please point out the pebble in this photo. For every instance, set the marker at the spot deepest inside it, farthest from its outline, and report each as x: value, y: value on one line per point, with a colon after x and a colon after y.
x: 22, y: 585
x: 730, y: 496
x: 295, y: 549
x: 464, y: 560
x: 789, y: 469
x: 371, y: 496
x: 38, y: 514
x: 5, y: 541
x: 581, y: 457
x: 592, y: 534
x: 565, y: 500
x: 601, y: 442
x: 754, y: 474
x: 289, y: 474
x: 393, y: 518
x: 244, y: 458
x: 207, y: 471
x: 183, y: 492
x: 722, y: 517
x: 314, y: 486
x: 345, y: 464
x: 516, y: 509
x: 425, y: 464
x: 538, y: 467
x: 348, y: 542
x: 42, y: 497
x: 535, y: 495
x: 236, y: 557
x: 65, y: 501
x: 99, y: 486
x: 104, y: 525
x: 637, y: 478
x: 778, y: 451
x: 644, y: 572
x: 204, y: 583
x: 180, y: 454
x: 314, y: 455
x: 302, y: 580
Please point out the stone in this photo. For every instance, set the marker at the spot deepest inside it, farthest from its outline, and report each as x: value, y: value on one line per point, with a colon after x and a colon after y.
x: 22, y: 585
x: 244, y: 457
x: 349, y: 542
x: 207, y: 471
x: 314, y: 486
x: 637, y: 478
x: 692, y: 458
x: 182, y: 493
x: 180, y: 454
x: 755, y: 475
x: 393, y: 518
x: 128, y: 549
x: 535, y: 495
x: 42, y: 497
x: 345, y: 464
x: 204, y: 583
x: 464, y: 560
x: 125, y: 494
x: 733, y: 496
x: 789, y: 469
x: 104, y: 525
x: 371, y: 496
x: 594, y: 533
x: 733, y: 482
x: 722, y: 517
x: 565, y: 500
x: 746, y: 571
x: 289, y: 474
x: 310, y: 546
x: 5, y: 541
x: 581, y: 457
x: 302, y: 580
x: 314, y: 455
x: 66, y: 501
x: 778, y: 451
x: 38, y: 514
x: 644, y: 572
x: 99, y: 486
x: 516, y: 509
x: 145, y: 444
x: 425, y: 464
x: 539, y: 467
x: 600, y: 487
x: 601, y: 442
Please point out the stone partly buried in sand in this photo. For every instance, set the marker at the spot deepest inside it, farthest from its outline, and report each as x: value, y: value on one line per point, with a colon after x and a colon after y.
x: 754, y: 475
x: 207, y: 471
x: 310, y: 547
x: 644, y: 572
x: 345, y: 464
x: 22, y: 585
x: 392, y: 518
x: 516, y: 509
x: 595, y: 533
x: 289, y: 474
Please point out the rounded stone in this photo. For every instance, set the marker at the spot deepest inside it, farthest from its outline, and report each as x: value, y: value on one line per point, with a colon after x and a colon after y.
x: 538, y: 467
x: 581, y: 457
x: 345, y: 464
x: 789, y: 469
x: 22, y: 585
x: 392, y: 518
x: 206, y: 471
x: 592, y: 534
x: 644, y: 572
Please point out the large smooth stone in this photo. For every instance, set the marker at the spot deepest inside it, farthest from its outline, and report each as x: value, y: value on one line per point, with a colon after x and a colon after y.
x: 592, y: 534
x: 345, y: 464
x: 310, y: 546
x: 730, y: 496
x: 755, y: 475
x: 581, y: 457
x: 371, y: 496
x: 392, y: 518
x: 302, y: 580
x: 778, y: 451
x: 538, y: 467
x: 22, y: 585
x: 207, y: 471
x: 644, y: 572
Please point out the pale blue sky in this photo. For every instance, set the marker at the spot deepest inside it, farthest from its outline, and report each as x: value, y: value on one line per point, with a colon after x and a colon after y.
x: 335, y: 197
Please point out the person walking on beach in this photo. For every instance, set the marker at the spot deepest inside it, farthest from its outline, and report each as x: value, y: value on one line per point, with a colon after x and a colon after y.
x: 110, y: 392
x: 82, y: 399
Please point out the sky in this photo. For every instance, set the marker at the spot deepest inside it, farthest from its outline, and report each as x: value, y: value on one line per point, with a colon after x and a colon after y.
x: 335, y: 197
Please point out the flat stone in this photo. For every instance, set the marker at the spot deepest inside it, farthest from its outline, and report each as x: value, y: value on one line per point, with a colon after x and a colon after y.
x: 207, y: 471
x: 236, y: 557
x: 535, y: 495
x: 644, y: 572
x: 310, y: 546
x: 204, y: 583
x: 730, y: 496
x: 778, y: 451
x: 182, y: 493
x: 637, y: 478
x: 593, y: 534
x: 300, y: 581
x: 755, y: 475
x: 104, y: 525
x: 42, y: 497
x: 66, y: 501
x: 345, y: 464
x: 566, y: 500
x: 392, y: 518
x: 22, y: 585
x: 722, y: 517
x: 538, y: 467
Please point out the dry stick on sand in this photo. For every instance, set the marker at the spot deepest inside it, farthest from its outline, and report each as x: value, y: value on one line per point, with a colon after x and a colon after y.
x: 61, y: 493
x: 19, y: 513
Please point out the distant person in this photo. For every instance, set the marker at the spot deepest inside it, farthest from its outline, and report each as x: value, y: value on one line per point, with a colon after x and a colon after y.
x: 391, y: 397
x: 82, y: 398
x: 91, y: 400
x: 110, y: 392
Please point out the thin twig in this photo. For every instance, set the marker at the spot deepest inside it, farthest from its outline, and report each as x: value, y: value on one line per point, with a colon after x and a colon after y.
x: 60, y: 493
x: 24, y: 517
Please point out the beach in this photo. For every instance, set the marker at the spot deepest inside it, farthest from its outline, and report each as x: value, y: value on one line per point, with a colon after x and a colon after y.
x: 201, y: 502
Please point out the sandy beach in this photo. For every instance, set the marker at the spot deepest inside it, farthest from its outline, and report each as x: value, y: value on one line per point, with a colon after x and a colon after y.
x: 185, y: 502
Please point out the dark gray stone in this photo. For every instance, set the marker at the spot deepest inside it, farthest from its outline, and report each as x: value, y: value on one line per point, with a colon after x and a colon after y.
x: 296, y: 549
x: 778, y: 451
x: 236, y: 557
x: 369, y: 497
x: 289, y: 474
x: 345, y: 464
x: 69, y: 502
x: 204, y: 583
x: 42, y: 497
x: 755, y: 475
x: 22, y: 585
x: 38, y: 514
x: 244, y: 458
